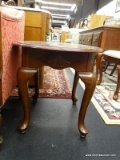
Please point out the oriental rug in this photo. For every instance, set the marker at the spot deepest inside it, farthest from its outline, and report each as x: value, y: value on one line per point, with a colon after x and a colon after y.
x: 102, y: 99
x: 108, y: 108
x: 56, y: 85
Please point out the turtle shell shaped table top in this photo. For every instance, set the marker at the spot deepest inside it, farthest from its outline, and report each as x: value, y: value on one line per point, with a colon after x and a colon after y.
x: 59, y: 46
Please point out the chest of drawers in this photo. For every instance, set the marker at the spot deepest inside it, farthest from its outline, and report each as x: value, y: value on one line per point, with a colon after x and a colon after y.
x: 104, y: 37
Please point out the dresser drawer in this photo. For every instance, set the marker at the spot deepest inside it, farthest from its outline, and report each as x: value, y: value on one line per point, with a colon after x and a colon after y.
x: 96, y: 39
x: 87, y: 39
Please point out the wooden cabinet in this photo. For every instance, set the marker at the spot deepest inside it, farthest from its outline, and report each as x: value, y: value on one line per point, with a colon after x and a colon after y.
x: 36, y: 25
x: 104, y: 37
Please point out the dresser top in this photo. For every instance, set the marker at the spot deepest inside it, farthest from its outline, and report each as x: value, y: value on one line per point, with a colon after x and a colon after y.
x: 101, y: 28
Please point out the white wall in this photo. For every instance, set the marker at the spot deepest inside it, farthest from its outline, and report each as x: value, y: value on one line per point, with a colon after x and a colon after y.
x: 109, y: 10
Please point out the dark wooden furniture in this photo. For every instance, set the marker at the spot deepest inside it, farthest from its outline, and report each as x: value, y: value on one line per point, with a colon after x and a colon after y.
x: 60, y: 56
x: 24, y: 75
x: 107, y: 38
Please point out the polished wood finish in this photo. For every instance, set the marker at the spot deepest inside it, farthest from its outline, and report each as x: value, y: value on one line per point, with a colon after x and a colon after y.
x: 37, y: 25
x: 107, y: 38
x: 104, y: 37
x: 60, y: 56
x: 23, y: 76
x: 89, y: 80
x: 115, y: 96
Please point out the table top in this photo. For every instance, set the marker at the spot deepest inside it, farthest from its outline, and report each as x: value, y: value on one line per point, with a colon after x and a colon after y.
x: 58, y: 46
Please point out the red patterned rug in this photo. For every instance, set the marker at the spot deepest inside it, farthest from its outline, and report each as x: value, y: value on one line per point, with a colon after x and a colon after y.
x: 56, y: 85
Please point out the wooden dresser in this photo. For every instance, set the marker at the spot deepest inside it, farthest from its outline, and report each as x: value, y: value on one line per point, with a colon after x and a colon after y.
x: 104, y: 37
x: 36, y: 25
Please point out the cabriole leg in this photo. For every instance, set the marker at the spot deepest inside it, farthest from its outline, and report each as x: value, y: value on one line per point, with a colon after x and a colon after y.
x: 89, y: 80
x: 23, y: 76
